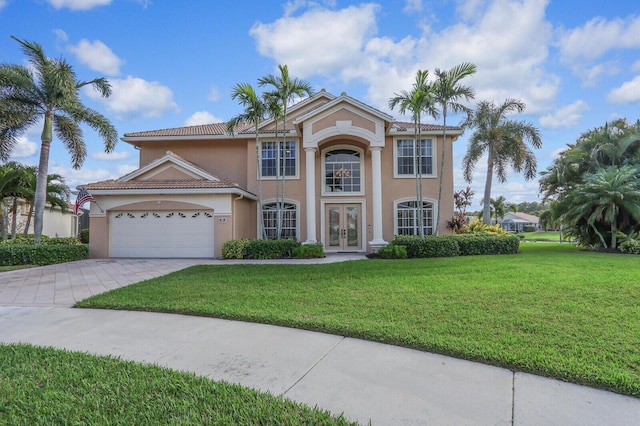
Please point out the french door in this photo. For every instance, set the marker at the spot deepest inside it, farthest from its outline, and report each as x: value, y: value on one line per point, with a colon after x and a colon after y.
x: 343, y: 227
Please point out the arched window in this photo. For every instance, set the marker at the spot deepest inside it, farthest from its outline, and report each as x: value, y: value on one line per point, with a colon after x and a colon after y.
x: 342, y: 171
x: 288, y: 215
x: 407, y: 218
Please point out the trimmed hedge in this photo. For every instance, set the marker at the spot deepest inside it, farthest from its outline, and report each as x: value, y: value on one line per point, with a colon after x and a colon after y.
x: 308, y: 251
x: 42, y: 254
x: 271, y: 249
x: 458, y: 245
x: 235, y: 249
x: 44, y: 240
x: 392, y: 251
x: 429, y: 246
x: 83, y: 236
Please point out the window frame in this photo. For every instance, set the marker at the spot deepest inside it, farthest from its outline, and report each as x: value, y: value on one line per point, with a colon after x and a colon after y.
x: 434, y: 162
x: 323, y: 177
x: 396, y: 209
x: 296, y: 160
x: 271, y: 202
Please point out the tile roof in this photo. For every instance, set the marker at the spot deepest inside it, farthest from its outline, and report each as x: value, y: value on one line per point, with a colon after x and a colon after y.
x: 404, y: 125
x: 113, y: 184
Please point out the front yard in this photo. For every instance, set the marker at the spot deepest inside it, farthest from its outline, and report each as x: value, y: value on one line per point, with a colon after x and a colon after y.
x: 552, y: 310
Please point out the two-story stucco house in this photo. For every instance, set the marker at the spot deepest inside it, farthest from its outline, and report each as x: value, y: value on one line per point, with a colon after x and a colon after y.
x: 349, y: 183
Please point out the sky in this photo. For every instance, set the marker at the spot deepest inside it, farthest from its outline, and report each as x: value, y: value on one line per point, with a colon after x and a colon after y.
x: 574, y: 63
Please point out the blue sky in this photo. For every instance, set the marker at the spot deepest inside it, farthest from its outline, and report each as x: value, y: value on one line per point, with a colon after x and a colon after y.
x: 575, y: 63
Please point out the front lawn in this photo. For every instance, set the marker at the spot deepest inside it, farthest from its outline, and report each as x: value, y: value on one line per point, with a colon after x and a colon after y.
x: 44, y: 386
x: 552, y: 310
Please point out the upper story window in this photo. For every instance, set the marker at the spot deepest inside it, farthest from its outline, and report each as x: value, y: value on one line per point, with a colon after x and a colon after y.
x: 407, y: 162
x: 279, y: 158
x: 342, y: 171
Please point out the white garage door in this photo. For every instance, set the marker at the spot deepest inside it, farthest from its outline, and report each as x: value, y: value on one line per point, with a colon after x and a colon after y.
x: 172, y: 233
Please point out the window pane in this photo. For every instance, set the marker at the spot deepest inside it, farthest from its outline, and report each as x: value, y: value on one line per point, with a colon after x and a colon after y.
x: 288, y: 220
x: 273, y: 153
x: 405, y: 156
x: 342, y: 171
x: 408, y: 220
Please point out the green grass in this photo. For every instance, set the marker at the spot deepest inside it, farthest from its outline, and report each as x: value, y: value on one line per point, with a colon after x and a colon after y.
x: 15, y: 267
x: 552, y: 310
x: 44, y: 386
x: 552, y: 236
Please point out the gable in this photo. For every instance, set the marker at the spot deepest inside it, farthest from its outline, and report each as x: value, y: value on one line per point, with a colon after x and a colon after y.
x: 167, y: 172
x: 171, y: 165
x: 344, y: 114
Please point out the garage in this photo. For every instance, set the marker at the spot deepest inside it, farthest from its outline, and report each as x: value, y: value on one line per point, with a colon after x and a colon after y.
x: 161, y: 234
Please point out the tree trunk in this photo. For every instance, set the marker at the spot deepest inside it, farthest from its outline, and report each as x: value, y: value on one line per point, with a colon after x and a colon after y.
x: 259, y: 168
x: 28, y: 224
x: 441, y: 171
x: 3, y: 227
x: 41, y: 182
x: 486, y: 216
x: 14, y: 217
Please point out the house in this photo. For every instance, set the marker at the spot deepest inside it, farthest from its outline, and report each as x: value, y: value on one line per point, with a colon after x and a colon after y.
x: 516, y: 222
x: 349, y: 184
x: 55, y: 222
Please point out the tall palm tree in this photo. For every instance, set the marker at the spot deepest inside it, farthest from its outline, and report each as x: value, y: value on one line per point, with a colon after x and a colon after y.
x: 58, y: 193
x: 254, y: 112
x: 504, y: 142
x: 9, y: 186
x: 285, y: 89
x: 499, y: 207
x: 449, y: 93
x: 49, y: 89
x: 418, y: 100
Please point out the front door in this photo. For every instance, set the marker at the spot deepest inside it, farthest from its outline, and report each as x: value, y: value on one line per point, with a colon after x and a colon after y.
x: 343, y: 226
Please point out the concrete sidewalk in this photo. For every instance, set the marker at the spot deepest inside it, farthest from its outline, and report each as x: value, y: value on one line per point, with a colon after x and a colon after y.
x: 366, y: 381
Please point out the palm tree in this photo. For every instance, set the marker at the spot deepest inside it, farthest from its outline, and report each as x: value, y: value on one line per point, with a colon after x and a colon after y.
x: 254, y: 112
x: 417, y: 101
x: 449, y: 92
x: 57, y: 193
x: 504, y: 142
x: 49, y: 89
x: 9, y: 186
x: 284, y: 91
x: 602, y: 197
x: 499, y: 207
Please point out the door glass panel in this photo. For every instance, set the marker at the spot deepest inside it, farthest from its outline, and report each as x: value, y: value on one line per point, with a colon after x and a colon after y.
x: 334, y: 227
x: 352, y: 226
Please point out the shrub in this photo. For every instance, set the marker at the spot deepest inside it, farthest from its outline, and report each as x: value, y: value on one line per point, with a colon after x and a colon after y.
x: 430, y: 246
x: 392, y: 251
x: 631, y: 246
x: 529, y: 228
x: 44, y: 240
x: 482, y: 244
x: 308, y: 251
x: 478, y: 227
x: 271, y: 249
x: 42, y: 254
x: 235, y: 249
x: 84, y: 236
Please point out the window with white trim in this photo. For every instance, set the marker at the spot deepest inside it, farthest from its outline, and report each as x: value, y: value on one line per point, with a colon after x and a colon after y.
x: 286, y: 157
x: 406, y: 161
x: 288, y: 218
x: 407, y: 218
x: 342, y: 171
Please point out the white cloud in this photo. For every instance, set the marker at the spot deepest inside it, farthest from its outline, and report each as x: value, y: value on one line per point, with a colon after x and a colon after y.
x: 320, y: 41
x: 628, y: 93
x: 635, y: 66
x: 343, y: 44
x: 214, y: 94
x: 3, y: 3
x: 201, y: 117
x: 82, y: 176
x: 97, y: 56
x: 412, y: 6
x: 566, y: 116
x: 110, y: 156
x: 24, y: 148
x: 78, y: 4
x: 124, y: 169
x: 598, y: 36
x: 134, y: 97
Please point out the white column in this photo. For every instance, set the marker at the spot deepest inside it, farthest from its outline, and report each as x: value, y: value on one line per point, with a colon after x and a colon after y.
x: 376, y: 183
x: 311, y: 194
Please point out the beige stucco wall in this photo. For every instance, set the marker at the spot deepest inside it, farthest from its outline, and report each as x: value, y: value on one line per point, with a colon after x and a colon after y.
x: 222, y: 158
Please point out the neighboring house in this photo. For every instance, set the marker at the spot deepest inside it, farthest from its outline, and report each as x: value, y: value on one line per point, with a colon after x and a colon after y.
x: 349, y: 184
x: 516, y: 221
x: 55, y: 223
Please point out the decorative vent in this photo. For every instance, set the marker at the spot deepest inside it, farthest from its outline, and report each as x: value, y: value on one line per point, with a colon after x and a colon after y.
x: 119, y: 215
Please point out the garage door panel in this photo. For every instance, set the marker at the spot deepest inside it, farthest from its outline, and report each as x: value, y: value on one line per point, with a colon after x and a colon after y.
x: 161, y: 234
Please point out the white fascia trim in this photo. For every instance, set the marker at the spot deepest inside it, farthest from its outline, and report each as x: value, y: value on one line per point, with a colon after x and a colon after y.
x: 133, y: 139
x: 328, y: 108
x: 234, y: 191
x: 172, y: 159
x: 411, y: 133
